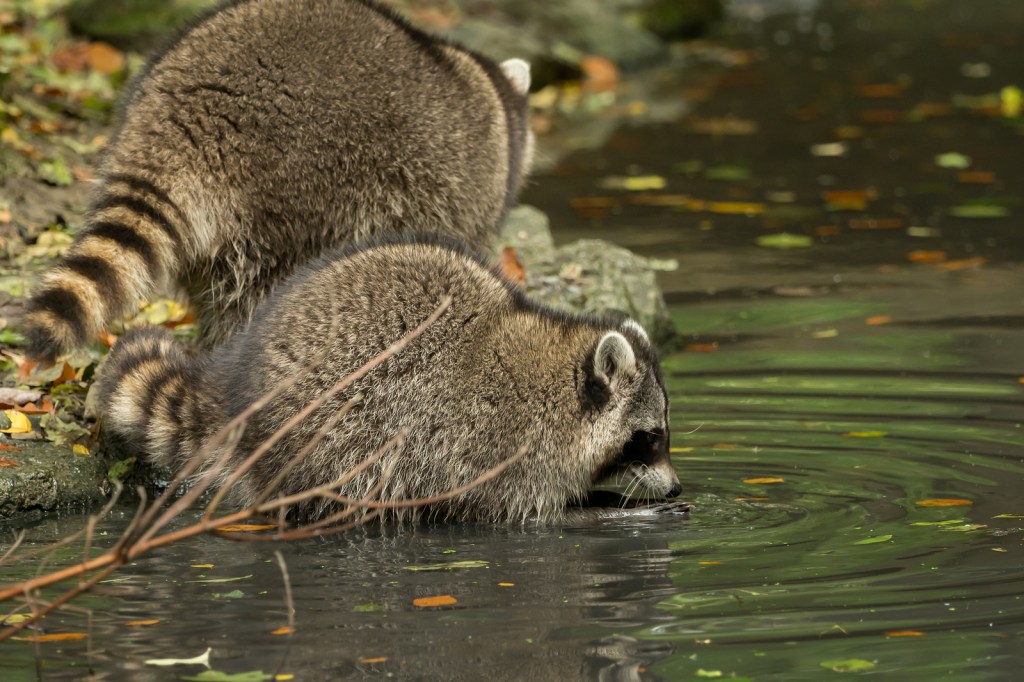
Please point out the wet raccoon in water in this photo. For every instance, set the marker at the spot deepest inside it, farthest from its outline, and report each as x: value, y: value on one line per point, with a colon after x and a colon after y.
x: 584, y: 396
x: 269, y: 133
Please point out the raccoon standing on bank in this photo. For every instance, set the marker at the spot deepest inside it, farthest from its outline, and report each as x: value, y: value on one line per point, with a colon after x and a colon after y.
x: 270, y: 132
x: 495, y: 373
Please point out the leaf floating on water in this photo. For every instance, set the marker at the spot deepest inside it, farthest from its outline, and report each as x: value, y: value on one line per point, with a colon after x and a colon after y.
x: 979, y: 211
x: 944, y: 502
x: 849, y: 665
x: 830, y: 149
x: 634, y: 183
x: 54, y: 637
x: 220, y: 580
x: 976, y: 177
x: 903, y: 633
x: 215, y: 676
x: 784, y: 240
x: 1011, y: 101
x: 953, y: 160
x: 875, y: 540
x: 283, y: 630
x: 961, y: 264
x: 701, y: 672
x: 506, y: 584
x: 878, y: 320
x: 449, y: 565
x: 440, y: 600
x: 736, y: 207
x: 370, y: 661
x: 763, y: 480
x: 201, y: 566
x: 367, y: 608
x: 926, y: 256
x: 140, y: 623
x: 201, y: 659
x: 865, y: 434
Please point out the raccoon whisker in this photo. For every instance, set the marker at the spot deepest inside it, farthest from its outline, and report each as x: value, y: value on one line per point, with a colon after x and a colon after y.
x: 695, y: 430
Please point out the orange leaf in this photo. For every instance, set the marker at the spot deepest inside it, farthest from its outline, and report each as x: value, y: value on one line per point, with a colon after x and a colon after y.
x: 71, y: 58
x: 878, y: 320
x: 506, y: 584
x: 107, y: 339
x: 947, y: 502
x: 880, y: 116
x: 55, y: 637
x: 903, y: 633
x: 31, y: 408
x: 511, y: 267
x: 380, y: 659
x: 9, y: 448
x: 440, y: 600
x: 710, y: 563
x: 926, y: 256
x: 4, y: 462
x: 826, y: 230
x: 5, y: 216
x: 139, y: 623
x: 104, y: 58
x: 876, y: 223
x: 766, y: 479
x: 837, y: 196
x: 723, y: 446
x: 876, y: 90
x: 600, y: 74
x: 976, y: 177
x: 283, y: 630
x: 242, y: 527
x: 961, y: 264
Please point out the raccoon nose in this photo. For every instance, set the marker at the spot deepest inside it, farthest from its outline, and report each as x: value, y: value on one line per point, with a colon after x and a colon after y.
x: 675, y: 490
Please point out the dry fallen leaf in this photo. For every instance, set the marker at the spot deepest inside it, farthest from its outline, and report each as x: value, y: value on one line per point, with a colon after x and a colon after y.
x: 55, y: 637
x: 926, y: 256
x: 766, y: 479
x: 878, y: 320
x: 140, y: 623
x: 6, y: 463
x: 511, y: 267
x: 944, y: 502
x: 368, y: 661
x: 19, y: 422
x: 903, y: 633
x: 104, y: 58
x: 600, y: 74
x: 283, y: 630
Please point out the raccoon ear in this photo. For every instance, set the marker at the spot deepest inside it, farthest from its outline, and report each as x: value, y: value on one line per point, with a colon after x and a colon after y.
x: 614, y: 359
x: 517, y: 72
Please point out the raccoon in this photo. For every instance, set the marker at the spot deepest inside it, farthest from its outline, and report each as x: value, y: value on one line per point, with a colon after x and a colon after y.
x: 583, y: 396
x: 270, y: 132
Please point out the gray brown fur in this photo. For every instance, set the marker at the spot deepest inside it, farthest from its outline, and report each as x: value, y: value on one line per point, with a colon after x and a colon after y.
x: 269, y: 133
x: 495, y: 373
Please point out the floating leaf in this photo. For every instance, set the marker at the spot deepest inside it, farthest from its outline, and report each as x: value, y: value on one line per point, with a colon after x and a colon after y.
x: 140, y: 623
x: 976, y: 177
x: 952, y: 160
x: 903, y: 633
x: 449, y: 565
x: 201, y: 659
x: 506, y: 584
x: 878, y: 320
x: 54, y: 637
x: 701, y: 672
x: 367, y: 608
x: 926, y: 256
x: 736, y: 207
x: 944, y: 502
x: 201, y: 566
x: 370, y: 661
x: 767, y: 479
x: 440, y: 600
x: 865, y: 434
x: 215, y: 676
x: 1011, y: 100
x: 634, y: 183
x: 283, y: 630
x: 979, y: 211
x: 875, y: 540
x: 849, y: 665
x: 220, y: 580
x: 784, y: 240
x: 830, y: 149
x: 961, y: 264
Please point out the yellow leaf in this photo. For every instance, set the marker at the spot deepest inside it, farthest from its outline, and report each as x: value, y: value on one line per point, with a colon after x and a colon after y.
x: 903, y: 633
x: 202, y: 565
x: 736, y: 207
x: 768, y: 479
x: 284, y: 630
x: 506, y: 584
x: 947, y: 502
x: 284, y: 677
x: 691, y: 449
x: 440, y: 600
x: 373, y: 660
x: 138, y: 623
x: 865, y: 434
x: 878, y: 320
x: 710, y: 563
x: 79, y: 449
x: 19, y: 422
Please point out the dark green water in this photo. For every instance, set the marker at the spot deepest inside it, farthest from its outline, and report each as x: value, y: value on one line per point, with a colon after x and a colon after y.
x: 783, y: 378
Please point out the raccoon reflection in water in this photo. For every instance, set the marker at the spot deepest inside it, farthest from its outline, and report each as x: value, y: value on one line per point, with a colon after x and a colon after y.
x: 583, y: 396
x: 269, y: 133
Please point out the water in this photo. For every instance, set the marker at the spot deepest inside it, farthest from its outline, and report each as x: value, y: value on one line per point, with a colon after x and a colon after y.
x: 856, y: 383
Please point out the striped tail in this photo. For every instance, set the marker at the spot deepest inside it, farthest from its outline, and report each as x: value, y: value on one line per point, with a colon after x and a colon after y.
x: 131, y: 245
x: 154, y: 396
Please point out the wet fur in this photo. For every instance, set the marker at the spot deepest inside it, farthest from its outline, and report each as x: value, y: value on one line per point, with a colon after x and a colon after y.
x: 495, y: 373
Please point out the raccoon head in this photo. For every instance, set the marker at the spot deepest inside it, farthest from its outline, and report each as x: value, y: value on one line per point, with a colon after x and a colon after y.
x: 625, y: 394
